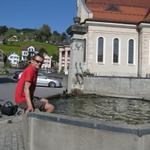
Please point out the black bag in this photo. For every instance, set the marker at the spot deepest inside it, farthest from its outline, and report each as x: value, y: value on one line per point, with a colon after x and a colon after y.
x: 8, y: 108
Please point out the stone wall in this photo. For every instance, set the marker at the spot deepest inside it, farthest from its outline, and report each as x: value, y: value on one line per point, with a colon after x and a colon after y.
x: 108, y: 68
x: 118, y: 86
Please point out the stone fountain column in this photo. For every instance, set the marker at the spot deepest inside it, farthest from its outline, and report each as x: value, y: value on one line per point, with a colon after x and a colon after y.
x: 75, y: 76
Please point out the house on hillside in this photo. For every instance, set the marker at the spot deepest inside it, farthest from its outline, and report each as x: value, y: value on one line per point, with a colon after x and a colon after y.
x: 13, y: 38
x: 117, y: 40
x: 14, y: 59
x: 30, y: 50
x: 47, y: 64
x: 64, y: 58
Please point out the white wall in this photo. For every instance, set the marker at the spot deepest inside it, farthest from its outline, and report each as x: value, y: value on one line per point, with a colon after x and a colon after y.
x: 145, y: 51
x: 108, y: 68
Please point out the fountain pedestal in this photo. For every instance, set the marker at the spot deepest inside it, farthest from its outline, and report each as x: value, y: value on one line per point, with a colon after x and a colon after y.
x: 77, y: 50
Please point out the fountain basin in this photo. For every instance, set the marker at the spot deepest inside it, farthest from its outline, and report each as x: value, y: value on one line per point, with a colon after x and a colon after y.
x: 90, y: 122
x: 59, y: 132
x: 118, y: 110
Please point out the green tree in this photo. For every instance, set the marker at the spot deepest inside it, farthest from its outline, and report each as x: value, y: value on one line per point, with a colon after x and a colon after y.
x: 42, y: 51
x: 3, y: 30
x: 5, y: 58
x: 10, y: 32
x: 56, y: 37
x: 64, y: 36
x: 55, y: 58
x: 27, y: 34
x: 44, y: 33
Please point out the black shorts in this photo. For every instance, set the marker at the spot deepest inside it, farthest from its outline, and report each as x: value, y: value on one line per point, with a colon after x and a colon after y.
x: 36, y: 102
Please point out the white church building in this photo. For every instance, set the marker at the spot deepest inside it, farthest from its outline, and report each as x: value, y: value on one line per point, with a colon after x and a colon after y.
x: 118, y: 36
x: 111, y: 40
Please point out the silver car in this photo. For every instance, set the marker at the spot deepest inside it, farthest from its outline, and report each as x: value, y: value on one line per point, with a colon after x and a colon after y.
x: 43, y: 80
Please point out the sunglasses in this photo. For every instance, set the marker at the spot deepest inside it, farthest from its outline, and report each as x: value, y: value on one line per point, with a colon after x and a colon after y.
x: 37, y: 61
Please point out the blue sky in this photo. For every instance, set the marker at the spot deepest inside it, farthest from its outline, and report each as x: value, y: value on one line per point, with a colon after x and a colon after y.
x: 58, y: 14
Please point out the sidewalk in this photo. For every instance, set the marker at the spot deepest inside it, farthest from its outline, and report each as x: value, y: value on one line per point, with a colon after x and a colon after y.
x: 11, y: 137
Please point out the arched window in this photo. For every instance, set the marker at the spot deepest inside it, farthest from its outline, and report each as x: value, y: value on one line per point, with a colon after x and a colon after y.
x: 116, y: 50
x: 130, y: 51
x: 100, y: 51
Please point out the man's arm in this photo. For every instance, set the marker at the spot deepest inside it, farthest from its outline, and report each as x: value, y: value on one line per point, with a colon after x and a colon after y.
x: 28, y: 96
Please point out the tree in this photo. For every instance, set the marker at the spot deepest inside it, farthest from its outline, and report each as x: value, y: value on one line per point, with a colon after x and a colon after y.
x: 27, y: 34
x: 5, y: 58
x: 10, y: 32
x: 56, y: 37
x: 55, y: 58
x: 42, y: 51
x: 6, y: 63
x: 3, y: 30
x: 43, y: 33
x: 64, y: 36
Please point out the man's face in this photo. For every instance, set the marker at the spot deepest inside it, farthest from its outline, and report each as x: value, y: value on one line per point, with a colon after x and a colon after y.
x: 37, y: 62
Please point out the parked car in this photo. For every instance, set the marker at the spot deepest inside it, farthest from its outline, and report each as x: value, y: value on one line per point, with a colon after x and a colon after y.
x: 46, y: 81
x: 43, y: 80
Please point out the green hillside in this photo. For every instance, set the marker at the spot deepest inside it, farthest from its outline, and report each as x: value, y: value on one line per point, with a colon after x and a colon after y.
x: 18, y: 46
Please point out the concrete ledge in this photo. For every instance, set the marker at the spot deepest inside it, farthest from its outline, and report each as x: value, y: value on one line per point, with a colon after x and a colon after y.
x: 58, y: 132
x: 137, y: 88
x: 123, y: 96
x: 139, y: 130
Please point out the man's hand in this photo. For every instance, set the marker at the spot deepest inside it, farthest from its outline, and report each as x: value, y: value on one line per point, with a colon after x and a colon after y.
x: 29, y: 109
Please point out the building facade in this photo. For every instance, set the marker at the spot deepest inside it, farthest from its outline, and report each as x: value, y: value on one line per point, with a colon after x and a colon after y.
x: 47, y: 64
x: 64, y: 58
x: 109, y: 39
x: 118, y: 37
x: 14, y: 59
x: 30, y: 50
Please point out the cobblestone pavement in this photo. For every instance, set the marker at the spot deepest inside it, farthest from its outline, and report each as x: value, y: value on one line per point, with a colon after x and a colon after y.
x: 11, y: 137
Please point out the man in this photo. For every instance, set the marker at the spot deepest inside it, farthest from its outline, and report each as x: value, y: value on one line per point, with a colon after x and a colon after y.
x: 26, y: 85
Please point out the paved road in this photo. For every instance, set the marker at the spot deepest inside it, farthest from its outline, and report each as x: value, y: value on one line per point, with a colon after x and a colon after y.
x: 7, y: 89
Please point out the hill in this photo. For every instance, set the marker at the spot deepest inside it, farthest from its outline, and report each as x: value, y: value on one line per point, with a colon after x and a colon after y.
x: 18, y: 46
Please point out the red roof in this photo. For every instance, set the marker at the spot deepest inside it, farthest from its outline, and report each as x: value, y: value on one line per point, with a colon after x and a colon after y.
x: 124, y: 11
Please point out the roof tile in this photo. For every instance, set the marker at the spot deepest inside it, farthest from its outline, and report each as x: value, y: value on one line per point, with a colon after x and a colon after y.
x: 125, y: 11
